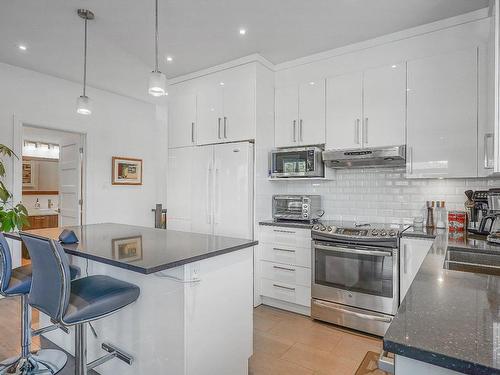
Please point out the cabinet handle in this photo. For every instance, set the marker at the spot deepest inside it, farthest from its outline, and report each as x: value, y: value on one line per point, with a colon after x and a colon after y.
x: 486, y: 151
x: 301, y: 138
x: 283, y: 231
x: 218, y: 128
x: 192, y: 132
x: 284, y: 268
x: 286, y: 250
x: 284, y: 287
x: 405, y: 270
x: 225, y: 127
x: 294, y: 126
x: 365, y: 131
x: 356, y: 131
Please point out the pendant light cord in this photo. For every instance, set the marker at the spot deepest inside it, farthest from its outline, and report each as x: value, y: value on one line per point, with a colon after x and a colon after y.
x: 85, y: 59
x: 156, y: 36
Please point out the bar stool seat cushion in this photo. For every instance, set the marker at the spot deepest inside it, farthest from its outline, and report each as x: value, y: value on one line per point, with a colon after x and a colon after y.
x: 20, y: 280
x: 96, y: 296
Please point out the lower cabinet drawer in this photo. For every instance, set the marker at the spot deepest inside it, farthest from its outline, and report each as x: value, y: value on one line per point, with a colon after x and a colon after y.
x: 297, y: 237
x: 286, y: 254
x: 286, y: 273
x: 292, y: 293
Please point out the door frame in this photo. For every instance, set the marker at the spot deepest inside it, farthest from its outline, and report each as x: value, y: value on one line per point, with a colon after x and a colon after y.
x: 17, y: 142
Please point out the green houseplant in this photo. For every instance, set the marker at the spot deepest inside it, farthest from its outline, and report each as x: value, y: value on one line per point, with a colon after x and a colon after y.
x: 12, y: 216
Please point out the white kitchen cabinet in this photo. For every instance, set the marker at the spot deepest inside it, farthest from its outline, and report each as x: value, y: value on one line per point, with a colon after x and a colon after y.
x: 182, y: 119
x: 442, y: 115
x: 367, y: 109
x: 226, y: 106
x: 202, y: 190
x: 412, y: 253
x: 300, y: 114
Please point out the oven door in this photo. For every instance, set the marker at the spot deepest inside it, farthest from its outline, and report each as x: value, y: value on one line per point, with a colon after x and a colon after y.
x: 358, y: 276
x: 299, y: 162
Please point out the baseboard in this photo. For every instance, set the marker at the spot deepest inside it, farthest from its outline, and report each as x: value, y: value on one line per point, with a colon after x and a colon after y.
x: 283, y: 305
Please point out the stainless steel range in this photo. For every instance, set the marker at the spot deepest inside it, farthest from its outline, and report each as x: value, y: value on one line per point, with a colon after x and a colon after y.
x: 355, y: 278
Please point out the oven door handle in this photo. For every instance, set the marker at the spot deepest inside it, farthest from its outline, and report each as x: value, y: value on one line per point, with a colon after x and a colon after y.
x: 349, y: 312
x: 354, y: 251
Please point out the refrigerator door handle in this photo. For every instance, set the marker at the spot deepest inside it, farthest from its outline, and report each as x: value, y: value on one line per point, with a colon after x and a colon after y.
x: 209, y: 211
x: 217, y: 198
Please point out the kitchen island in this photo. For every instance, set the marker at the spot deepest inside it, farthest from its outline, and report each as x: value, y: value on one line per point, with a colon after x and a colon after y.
x: 194, y: 314
x: 449, y: 321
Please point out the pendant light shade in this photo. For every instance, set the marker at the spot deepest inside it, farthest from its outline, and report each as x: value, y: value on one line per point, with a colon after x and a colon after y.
x: 157, y: 80
x: 83, y: 102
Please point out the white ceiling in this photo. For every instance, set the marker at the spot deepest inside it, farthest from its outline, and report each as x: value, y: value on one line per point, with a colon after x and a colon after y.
x: 197, y: 33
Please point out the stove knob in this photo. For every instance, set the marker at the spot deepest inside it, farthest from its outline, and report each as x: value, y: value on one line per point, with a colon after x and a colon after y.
x: 329, y: 229
x: 392, y: 233
x: 316, y: 227
x: 323, y: 228
x: 383, y: 233
x: 374, y: 232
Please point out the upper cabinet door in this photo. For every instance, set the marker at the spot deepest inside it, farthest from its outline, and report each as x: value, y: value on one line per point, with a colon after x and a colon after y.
x: 287, y: 114
x: 210, y: 111
x: 344, y: 111
x: 238, y: 122
x: 442, y: 115
x: 311, y: 126
x: 182, y: 120
x: 384, y: 106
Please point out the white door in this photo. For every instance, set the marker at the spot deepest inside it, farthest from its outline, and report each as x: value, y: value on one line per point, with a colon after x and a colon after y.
x: 287, y: 114
x: 179, y: 186
x: 238, y: 123
x: 413, y: 253
x: 384, y: 106
x: 70, y: 164
x: 233, y: 185
x: 442, y: 116
x: 311, y: 130
x: 202, y: 193
x: 182, y: 120
x: 209, y: 111
x: 344, y: 111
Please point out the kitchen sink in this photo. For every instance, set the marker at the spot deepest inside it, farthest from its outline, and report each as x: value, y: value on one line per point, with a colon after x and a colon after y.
x: 473, y: 262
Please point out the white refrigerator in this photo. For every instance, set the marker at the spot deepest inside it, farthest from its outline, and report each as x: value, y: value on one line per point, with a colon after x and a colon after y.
x: 210, y: 189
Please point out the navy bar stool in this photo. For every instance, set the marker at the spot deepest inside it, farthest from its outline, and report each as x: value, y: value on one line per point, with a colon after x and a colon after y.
x: 17, y: 282
x: 75, y: 303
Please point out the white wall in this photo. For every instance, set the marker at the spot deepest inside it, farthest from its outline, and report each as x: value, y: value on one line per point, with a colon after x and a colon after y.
x: 119, y: 126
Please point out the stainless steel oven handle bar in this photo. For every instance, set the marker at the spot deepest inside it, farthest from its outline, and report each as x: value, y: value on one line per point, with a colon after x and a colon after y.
x: 349, y: 312
x: 354, y: 251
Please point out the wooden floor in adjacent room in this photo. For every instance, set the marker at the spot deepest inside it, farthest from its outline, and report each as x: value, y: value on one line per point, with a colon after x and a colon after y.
x: 284, y: 343
x: 291, y: 344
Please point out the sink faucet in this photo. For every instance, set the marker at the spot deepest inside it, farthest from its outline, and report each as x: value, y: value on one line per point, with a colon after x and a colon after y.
x: 49, y: 203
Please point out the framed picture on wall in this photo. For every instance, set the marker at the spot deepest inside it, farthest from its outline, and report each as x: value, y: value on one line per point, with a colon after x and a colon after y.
x: 126, y: 171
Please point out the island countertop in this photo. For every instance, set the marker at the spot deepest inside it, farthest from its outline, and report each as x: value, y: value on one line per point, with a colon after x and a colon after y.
x: 141, y: 249
x: 449, y: 318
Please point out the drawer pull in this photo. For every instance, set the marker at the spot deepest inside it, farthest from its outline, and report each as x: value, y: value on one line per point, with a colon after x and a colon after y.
x: 284, y: 287
x: 286, y: 250
x: 284, y: 268
x: 284, y: 231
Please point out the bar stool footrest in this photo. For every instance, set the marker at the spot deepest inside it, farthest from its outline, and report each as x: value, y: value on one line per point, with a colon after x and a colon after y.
x: 120, y: 354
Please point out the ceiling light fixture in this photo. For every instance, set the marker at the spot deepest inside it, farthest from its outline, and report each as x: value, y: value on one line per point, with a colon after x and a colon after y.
x: 22, y: 47
x: 83, y: 103
x: 157, y: 80
x: 243, y: 31
x: 169, y: 58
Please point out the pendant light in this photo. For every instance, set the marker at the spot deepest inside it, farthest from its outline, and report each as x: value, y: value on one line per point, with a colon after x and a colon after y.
x: 83, y: 103
x: 157, y: 80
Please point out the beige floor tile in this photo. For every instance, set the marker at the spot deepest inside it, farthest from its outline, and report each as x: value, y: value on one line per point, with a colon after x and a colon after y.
x: 262, y: 364
x: 264, y: 323
x: 266, y: 343
x: 355, y: 347
x: 311, y: 358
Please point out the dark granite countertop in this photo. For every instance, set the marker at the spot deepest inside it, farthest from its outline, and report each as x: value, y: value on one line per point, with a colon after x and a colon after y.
x: 449, y: 318
x: 287, y: 224
x: 141, y: 249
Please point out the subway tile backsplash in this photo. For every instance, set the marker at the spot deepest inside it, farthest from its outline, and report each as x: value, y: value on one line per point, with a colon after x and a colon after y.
x: 383, y: 195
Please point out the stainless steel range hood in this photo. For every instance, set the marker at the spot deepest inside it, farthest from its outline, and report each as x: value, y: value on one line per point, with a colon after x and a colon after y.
x: 394, y: 156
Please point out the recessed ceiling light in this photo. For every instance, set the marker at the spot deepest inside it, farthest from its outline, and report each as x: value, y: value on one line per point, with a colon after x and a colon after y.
x: 243, y: 31
x: 394, y: 66
x: 170, y: 59
x: 22, y: 47
x: 312, y: 83
x: 221, y: 83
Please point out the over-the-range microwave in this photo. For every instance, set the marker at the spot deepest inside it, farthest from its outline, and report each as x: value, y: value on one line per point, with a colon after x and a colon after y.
x: 297, y: 162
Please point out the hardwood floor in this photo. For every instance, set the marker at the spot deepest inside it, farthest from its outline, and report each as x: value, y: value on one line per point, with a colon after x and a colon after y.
x: 290, y: 344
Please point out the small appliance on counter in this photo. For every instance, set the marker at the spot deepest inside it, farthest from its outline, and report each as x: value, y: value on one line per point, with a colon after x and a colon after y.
x: 477, y: 207
x: 297, y: 162
x: 297, y: 207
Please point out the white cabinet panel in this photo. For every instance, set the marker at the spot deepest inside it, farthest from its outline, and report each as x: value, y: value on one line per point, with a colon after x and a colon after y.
x: 284, y: 254
x: 202, y: 185
x: 179, y: 184
x: 413, y: 253
x: 384, y: 106
x: 182, y: 120
x: 287, y: 114
x: 442, y: 116
x: 344, y: 111
x: 311, y: 126
x: 285, y: 273
x: 210, y: 97
x: 293, y: 293
x: 297, y: 237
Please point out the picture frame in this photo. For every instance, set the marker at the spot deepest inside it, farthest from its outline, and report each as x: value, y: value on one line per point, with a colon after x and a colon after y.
x: 126, y: 171
x: 128, y: 249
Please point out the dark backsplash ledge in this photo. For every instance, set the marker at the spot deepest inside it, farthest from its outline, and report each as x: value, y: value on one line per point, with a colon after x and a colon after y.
x: 449, y: 318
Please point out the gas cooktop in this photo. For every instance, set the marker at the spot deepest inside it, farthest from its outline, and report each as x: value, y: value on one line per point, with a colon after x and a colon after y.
x: 355, y: 230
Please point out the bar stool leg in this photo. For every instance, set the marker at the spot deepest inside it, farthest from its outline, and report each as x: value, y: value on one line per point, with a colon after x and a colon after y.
x: 25, y: 326
x: 81, y: 349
